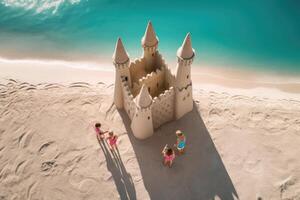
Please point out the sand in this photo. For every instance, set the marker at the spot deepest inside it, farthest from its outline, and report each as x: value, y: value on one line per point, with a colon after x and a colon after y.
x: 241, y: 143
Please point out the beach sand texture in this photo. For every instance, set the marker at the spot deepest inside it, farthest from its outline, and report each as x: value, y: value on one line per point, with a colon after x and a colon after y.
x: 238, y: 146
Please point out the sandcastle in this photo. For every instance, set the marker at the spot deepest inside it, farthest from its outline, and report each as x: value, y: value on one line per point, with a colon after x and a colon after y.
x: 146, y: 88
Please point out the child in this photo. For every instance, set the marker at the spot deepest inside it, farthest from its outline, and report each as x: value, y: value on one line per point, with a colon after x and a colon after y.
x: 169, y: 156
x: 180, y: 142
x: 112, y: 139
x: 99, y: 132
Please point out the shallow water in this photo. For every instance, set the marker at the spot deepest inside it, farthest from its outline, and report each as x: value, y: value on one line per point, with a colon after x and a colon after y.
x: 256, y: 34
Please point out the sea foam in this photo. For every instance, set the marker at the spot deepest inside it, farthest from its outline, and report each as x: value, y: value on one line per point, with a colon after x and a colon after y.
x: 39, y: 6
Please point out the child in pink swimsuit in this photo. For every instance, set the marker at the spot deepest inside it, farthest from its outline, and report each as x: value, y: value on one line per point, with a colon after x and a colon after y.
x: 112, y: 140
x: 169, y: 156
x: 99, y: 132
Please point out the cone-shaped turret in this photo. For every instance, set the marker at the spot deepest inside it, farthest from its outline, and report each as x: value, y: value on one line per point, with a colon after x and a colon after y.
x: 120, y: 55
x: 149, y: 39
x: 144, y: 99
x: 186, y: 51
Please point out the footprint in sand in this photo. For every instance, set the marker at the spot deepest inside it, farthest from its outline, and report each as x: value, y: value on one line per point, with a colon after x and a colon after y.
x: 82, y: 183
x: 79, y: 85
x: 86, y: 185
x: 48, y: 166
x: 215, y: 111
x: 20, y: 166
x: 257, y: 116
x: 286, y: 184
x: 22, y: 87
x: 12, y: 80
x: 31, y: 189
x: 30, y: 88
x: 25, y: 139
x: 254, y: 166
x: 48, y: 150
x: 107, y: 176
x: 52, y: 86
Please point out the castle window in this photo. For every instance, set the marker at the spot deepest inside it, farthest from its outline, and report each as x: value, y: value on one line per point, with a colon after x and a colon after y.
x: 149, y: 89
x: 187, y: 76
x: 148, y: 117
x: 153, y: 54
x: 157, y: 85
x: 126, y: 78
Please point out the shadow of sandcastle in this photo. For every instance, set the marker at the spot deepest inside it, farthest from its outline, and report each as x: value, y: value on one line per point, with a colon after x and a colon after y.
x: 198, y: 174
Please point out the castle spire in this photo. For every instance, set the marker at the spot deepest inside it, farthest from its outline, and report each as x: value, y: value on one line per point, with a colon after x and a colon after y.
x: 120, y: 55
x: 149, y: 39
x: 144, y: 99
x: 186, y: 51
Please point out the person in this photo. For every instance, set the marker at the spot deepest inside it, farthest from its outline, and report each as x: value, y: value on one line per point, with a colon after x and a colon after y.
x: 168, y: 155
x: 112, y: 140
x: 99, y: 132
x: 180, y: 142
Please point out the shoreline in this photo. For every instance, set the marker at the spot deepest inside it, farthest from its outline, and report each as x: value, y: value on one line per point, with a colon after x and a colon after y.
x: 215, y: 78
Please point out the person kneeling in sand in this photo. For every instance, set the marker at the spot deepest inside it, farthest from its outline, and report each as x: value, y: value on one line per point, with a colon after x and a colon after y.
x: 180, y: 142
x: 112, y: 140
x: 99, y: 132
x: 169, y: 155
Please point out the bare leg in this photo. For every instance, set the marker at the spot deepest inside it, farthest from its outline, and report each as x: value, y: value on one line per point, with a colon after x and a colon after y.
x: 182, y: 151
x: 170, y: 164
x: 165, y: 162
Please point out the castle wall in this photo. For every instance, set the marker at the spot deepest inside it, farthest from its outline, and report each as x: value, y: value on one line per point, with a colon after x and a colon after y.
x: 170, y: 79
x: 154, y: 78
x: 137, y: 69
x: 154, y: 81
x: 159, y: 61
x: 184, y: 101
x: 163, y: 107
x: 129, y: 104
x: 168, y: 76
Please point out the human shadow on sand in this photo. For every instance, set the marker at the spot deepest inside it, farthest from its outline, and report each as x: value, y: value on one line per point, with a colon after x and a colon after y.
x: 120, y: 176
x: 198, y: 174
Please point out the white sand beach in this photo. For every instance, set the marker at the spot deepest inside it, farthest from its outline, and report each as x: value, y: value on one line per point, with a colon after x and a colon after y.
x: 243, y: 138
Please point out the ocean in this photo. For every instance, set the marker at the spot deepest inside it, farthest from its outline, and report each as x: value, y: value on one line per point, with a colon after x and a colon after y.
x: 257, y: 34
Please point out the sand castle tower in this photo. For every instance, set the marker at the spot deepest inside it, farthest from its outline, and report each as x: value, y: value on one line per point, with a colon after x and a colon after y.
x: 121, y: 61
x: 184, y: 97
x: 149, y: 44
x: 146, y: 88
x: 141, y: 123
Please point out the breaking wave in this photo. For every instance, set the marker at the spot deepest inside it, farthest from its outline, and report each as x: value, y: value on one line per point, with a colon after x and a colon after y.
x: 39, y: 6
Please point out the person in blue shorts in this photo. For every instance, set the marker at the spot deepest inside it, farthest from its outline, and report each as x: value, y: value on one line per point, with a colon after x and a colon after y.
x: 180, y: 142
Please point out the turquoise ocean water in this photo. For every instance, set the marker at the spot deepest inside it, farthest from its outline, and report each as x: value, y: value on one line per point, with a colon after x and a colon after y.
x: 257, y: 34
